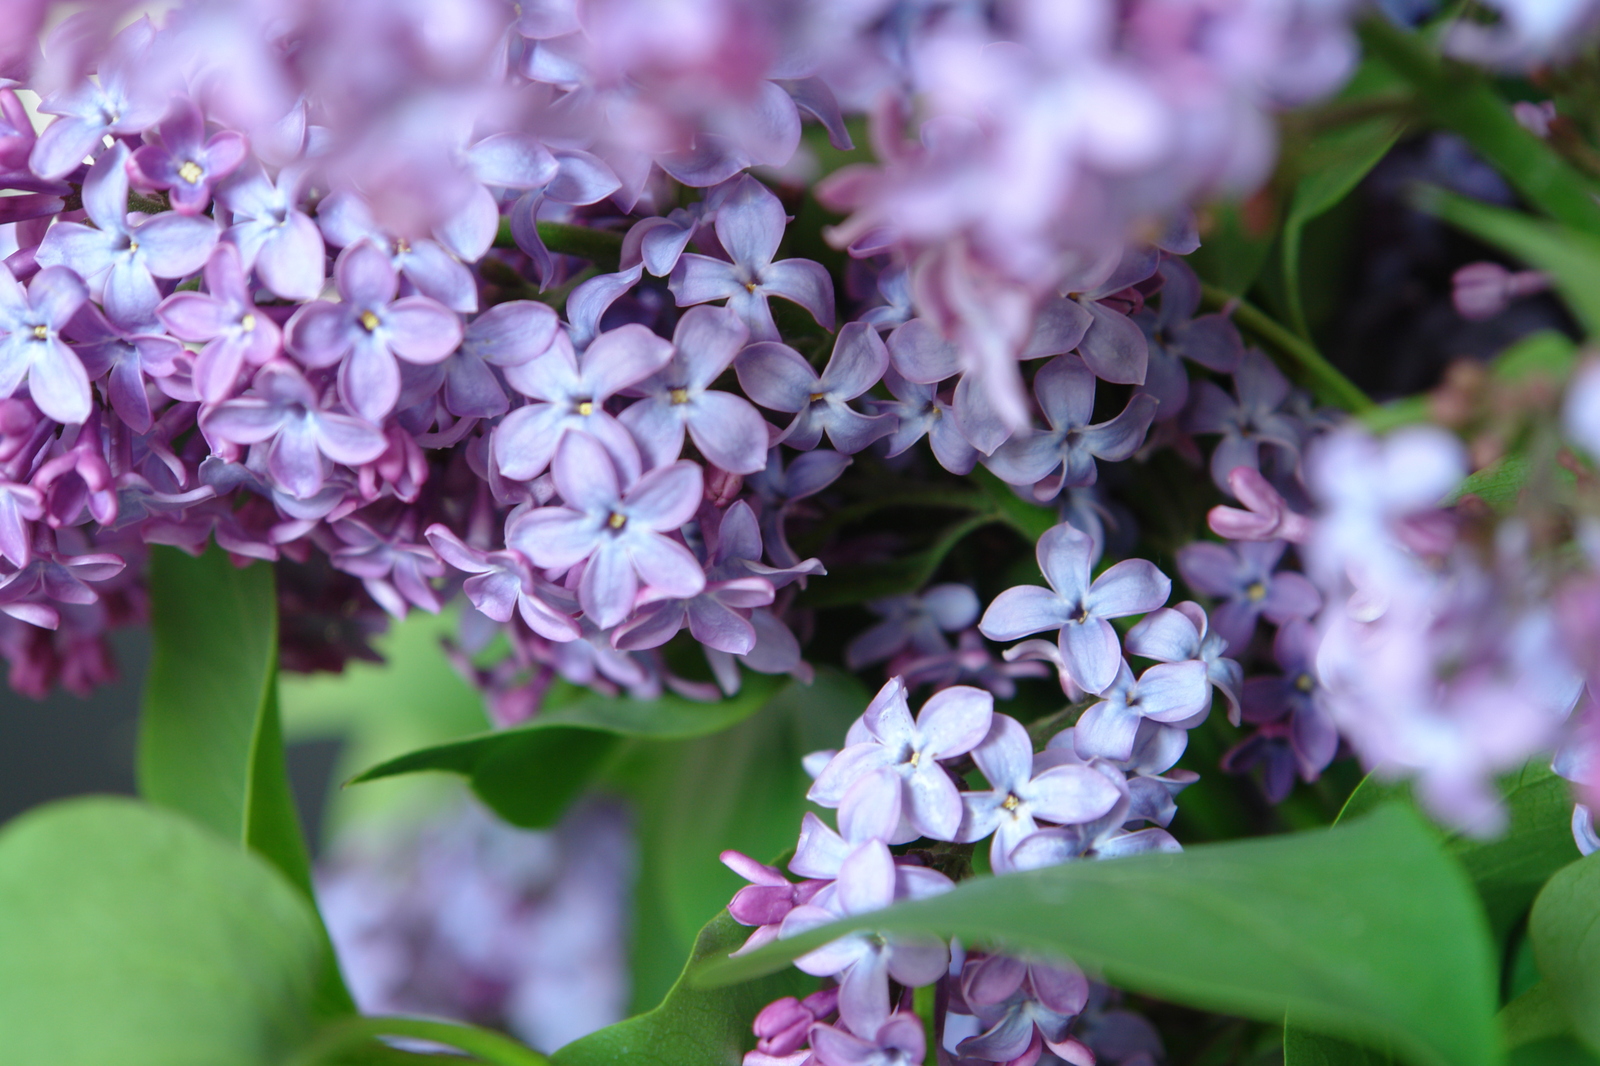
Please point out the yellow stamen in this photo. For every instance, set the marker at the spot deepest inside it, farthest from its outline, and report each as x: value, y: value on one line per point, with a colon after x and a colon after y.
x: 617, y: 521
x: 1011, y: 803
x: 41, y: 332
x: 586, y: 408
x: 191, y: 172
x: 248, y: 323
x: 679, y: 396
x: 817, y: 397
x: 1305, y: 682
x: 369, y: 321
x: 1256, y: 592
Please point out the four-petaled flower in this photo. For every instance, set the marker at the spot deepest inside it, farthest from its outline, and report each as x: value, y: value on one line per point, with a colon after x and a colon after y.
x: 226, y: 319
x: 1166, y: 693
x: 186, y: 162
x: 1241, y: 575
x: 31, y: 320
x: 778, y: 377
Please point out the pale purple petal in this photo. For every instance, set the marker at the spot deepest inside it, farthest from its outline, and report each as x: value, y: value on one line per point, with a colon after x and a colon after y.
x: 1090, y: 653
x: 1173, y: 692
x: 1020, y: 611
x: 803, y: 282
x: 1133, y: 586
x: 776, y: 376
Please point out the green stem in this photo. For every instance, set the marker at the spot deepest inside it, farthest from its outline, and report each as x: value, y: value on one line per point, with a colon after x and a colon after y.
x: 601, y: 247
x: 351, y: 1034
x: 1461, y: 99
x: 925, y: 1001
x: 1325, y: 380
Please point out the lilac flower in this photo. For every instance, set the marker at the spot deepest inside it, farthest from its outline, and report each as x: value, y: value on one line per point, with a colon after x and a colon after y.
x: 917, y: 620
x: 1065, y: 390
x: 749, y: 224
x: 918, y: 413
x: 728, y: 431
x: 502, y: 583
x: 1482, y: 290
x: 1022, y: 1004
x: 1104, y: 838
x: 225, y: 317
x: 120, y: 101
x: 275, y: 238
x: 393, y: 569
x: 506, y: 335
x: 345, y: 219
x: 618, y: 532
x: 580, y: 178
x: 899, y: 1041
x: 1295, y: 733
x: 366, y: 332
x: 184, y: 161
x: 122, y: 259
x: 1241, y: 575
x: 950, y: 724
x: 767, y: 900
x: 1089, y: 648
x: 1175, y: 334
x: 570, y: 395
x: 1179, y: 634
x: 1017, y: 796
x: 1167, y: 693
x: 31, y: 321
x: 127, y: 354
x: 34, y: 592
x: 778, y: 377
x: 779, y: 488
x: 659, y: 242
x: 19, y: 505
x: 1265, y: 516
x: 1253, y: 416
x: 283, y: 409
x: 863, y: 963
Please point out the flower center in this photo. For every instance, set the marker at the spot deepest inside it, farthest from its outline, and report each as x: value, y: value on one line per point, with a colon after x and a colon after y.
x: 1011, y: 802
x: 401, y: 246
x: 586, y: 408
x: 1257, y: 592
x: 1081, y: 615
x: 916, y: 757
x: 617, y: 521
x: 41, y: 332
x: 749, y: 286
x: 248, y: 323
x: 1305, y: 682
x: 369, y: 321
x: 818, y: 397
x: 191, y: 172
x: 679, y: 396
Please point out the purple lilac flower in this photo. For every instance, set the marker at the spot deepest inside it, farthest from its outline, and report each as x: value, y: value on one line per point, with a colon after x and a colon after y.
x: 19, y: 505
x: 503, y: 584
x: 1294, y: 731
x: 919, y: 412
x: 767, y: 900
x: 1107, y: 837
x: 1017, y: 795
x: 1022, y: 1004
x: 32, y: 320
x: 184, y: 161
x: 1241, y: 575
x: 127, y: 354
x: 616, y: 531
x: 1167, y: 693
x: 779, y: 378
x: 749, y: 225
x: 427, y: 266
x: 1179, y: 634
x: 1079, y: 609
x: 1253, y: 416
x: 899, y: 1041
x: 1065, y: 390
x: 49, y: 579
x: 369, y: 330
x: 506, y: 335
x: 950, y: 724
x: 225, y: 318
x: 580, y: 178
x: 1175, y: 334
x: 120, y: 258
x: 917, y: 620
x: 120, y: 101
x: 863, y: 963
x: 570, y: 394
x: 1480, y: 291
x: 282, y: 411
x: 778, y: 489
x: 275, y: 238
x: 783, y: 1027
x: 725, y: 428
x: 658, y: 242
x: 1265, y: 516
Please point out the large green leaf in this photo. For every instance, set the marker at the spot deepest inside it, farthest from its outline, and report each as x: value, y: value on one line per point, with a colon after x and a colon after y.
x: 1565, y: 929
x: 692, y: 1026
x: 529, y: 774
x: 742, y: 789
x: 210, y: 740
x: 1367, y: 931
x: 129, y: 935
x: 1304, y: 1048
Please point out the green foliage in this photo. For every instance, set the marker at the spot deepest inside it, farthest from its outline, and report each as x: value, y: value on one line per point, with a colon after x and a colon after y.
x: 129, y: 935
x: 529, y: 774
x: 1302, y: 1048
x: 210, y: 741
x: 1566, y: 941
x: 1366, y: 930
x: 692, y: 1026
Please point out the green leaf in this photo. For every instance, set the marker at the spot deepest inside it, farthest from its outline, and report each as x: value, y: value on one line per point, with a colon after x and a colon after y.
x: 1299, y: 357
x: 742, y: 789
x: 129, y: 935
x: 210, y: 740
x: 529, y: 774
x: 1367, y: 931
x: 1337, y: 160
x: 908, y: 573
x: 1533, y: 1016
x: 1555, y: 1051
x: 1565, y: 929
x: 1304, y: 1048
x: 692, y: 1026
x: 1570, y: 257
x: 1233, y: 252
